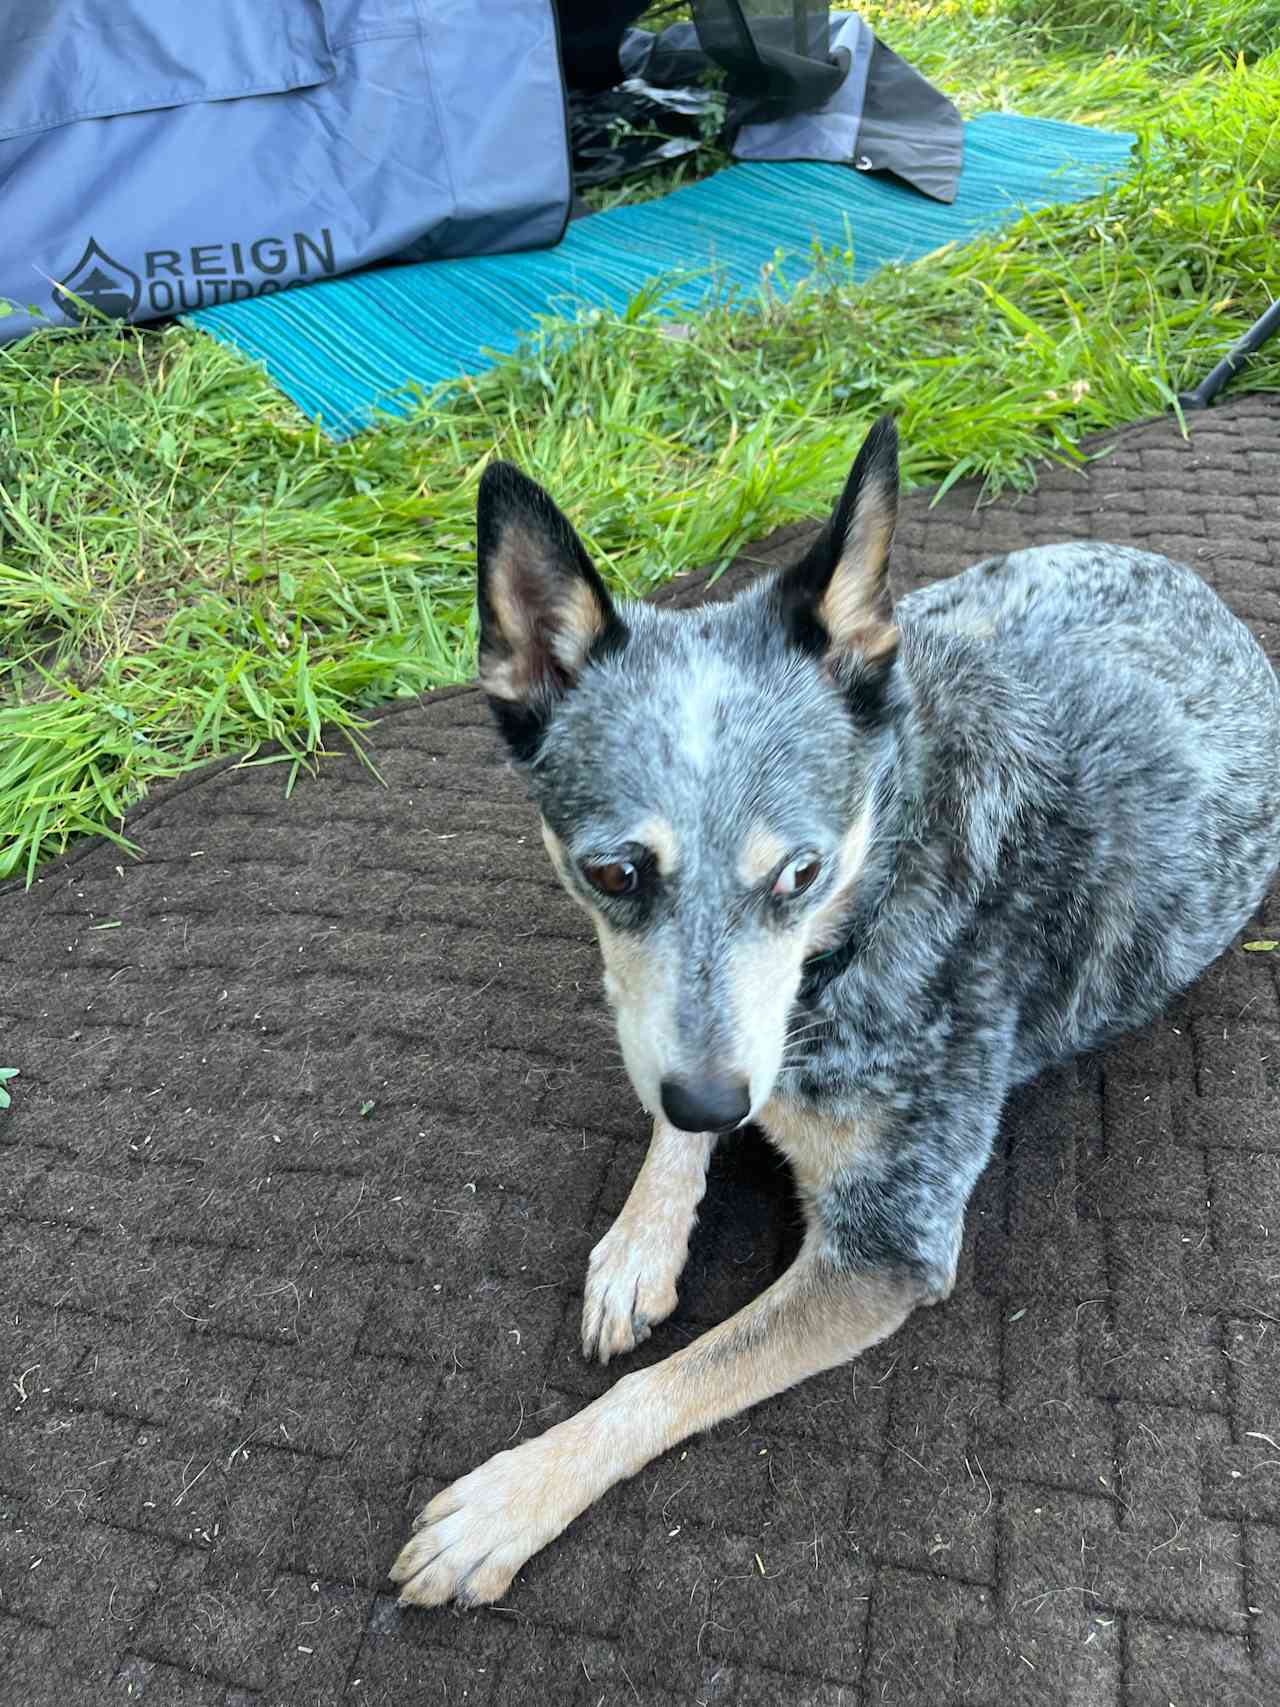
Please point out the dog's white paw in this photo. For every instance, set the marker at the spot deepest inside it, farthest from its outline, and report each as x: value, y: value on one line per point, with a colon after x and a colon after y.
x: 631, y: 1287
x: 471, y: 1540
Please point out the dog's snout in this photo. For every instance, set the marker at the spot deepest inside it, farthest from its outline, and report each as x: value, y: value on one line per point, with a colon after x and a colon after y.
x: 706, y: 1105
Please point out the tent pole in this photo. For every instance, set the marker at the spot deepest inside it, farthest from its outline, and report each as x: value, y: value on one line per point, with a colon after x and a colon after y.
x: 1233, y: 361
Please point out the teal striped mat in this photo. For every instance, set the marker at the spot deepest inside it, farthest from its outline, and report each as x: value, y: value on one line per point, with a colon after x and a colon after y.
x: 350, y: 348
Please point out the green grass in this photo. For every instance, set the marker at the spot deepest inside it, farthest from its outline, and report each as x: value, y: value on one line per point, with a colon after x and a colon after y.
x: 189, y: 569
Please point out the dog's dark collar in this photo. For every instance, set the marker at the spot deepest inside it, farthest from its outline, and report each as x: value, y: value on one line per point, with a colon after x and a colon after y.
x: 875, y: 881
x: 820, y: 970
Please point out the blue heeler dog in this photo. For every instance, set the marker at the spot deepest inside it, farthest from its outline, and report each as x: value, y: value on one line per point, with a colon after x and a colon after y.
x: 856, y: 871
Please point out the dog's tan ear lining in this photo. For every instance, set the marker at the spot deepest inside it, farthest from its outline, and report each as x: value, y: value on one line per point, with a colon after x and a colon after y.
x: 542, y: 607
x: 545, y: 621
x: 835, y: 602
x: 856, y: 609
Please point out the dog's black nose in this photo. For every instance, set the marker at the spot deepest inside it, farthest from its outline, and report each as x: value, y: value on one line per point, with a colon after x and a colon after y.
x: 705, y: 1105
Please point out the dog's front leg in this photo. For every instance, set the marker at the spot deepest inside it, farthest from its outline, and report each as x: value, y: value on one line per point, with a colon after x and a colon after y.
x: 632, y: 1274
x: 475, y: 1536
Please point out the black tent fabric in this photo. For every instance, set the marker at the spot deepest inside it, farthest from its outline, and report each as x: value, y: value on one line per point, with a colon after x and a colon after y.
x: 805, y: 85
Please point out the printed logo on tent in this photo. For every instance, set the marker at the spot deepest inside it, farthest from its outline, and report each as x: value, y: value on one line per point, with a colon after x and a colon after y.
x: 176, y: 281
x: 104, y: 286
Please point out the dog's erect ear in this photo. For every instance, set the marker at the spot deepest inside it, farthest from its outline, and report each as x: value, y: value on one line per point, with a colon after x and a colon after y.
x: 835, y: 601
x: 543, y: 609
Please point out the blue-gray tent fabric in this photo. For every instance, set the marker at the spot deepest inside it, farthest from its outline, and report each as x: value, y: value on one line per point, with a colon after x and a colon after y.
x: 158, y: 157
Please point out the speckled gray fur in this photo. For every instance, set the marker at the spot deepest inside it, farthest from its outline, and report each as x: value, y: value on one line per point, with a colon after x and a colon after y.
x: 1075, y: 768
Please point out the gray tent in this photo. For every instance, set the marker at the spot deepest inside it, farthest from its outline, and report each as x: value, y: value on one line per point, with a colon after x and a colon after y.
x: 158, y: 157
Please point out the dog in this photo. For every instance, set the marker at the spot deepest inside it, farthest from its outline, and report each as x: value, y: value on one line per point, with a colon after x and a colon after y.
x: 857, y: 871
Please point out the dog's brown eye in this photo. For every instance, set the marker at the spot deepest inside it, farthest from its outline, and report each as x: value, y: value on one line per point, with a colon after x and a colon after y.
x: 620, y: 877
x: 797, y: 876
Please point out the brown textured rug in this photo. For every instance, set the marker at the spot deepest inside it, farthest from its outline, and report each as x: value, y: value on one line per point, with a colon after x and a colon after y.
x: 305, y: 1160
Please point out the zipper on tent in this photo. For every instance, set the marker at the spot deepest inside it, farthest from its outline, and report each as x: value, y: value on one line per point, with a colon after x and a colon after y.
x: 568, y: 134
